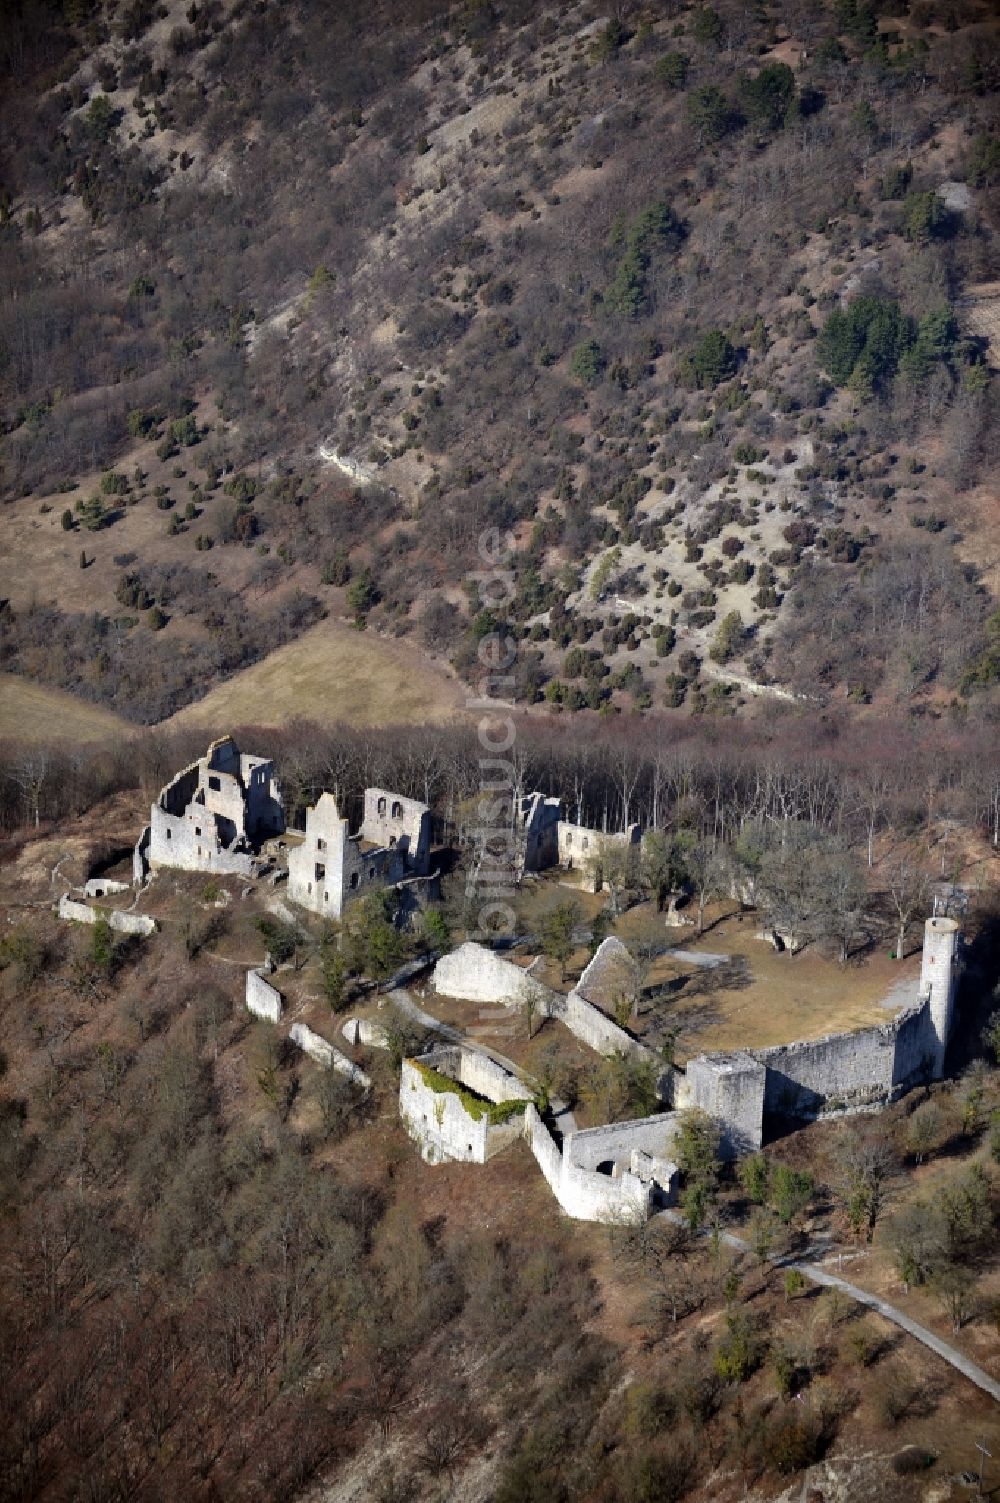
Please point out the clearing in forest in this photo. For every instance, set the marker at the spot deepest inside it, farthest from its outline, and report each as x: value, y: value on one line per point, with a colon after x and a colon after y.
x: 330, y: 674
x: 31, y: 713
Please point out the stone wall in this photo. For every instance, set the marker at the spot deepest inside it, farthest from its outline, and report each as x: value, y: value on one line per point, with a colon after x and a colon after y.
x: 212, y: 814
x: 331, y: 868
x: 593, y: 1028
x: 403, y: 824
x: 848, y: 1071
x: 843, y: 1072
x: 617, y: 1141
x: 488, y: 1078
x: 438, y: 1119
x: 102, y: 887
x: 539, y: 817
x: 731, y: 1088
x: 362, y: 1031
x: 263, y: 999
x: 584, y: 1194
x: 192, y: 842
x: 326, y: 1055
x: 131, y: 923
x: 580, y: 848
x: 316, y: 865
x: 140, y: 858
x: 475, y: 973
x: 610, y: 976
x: 121, y: 922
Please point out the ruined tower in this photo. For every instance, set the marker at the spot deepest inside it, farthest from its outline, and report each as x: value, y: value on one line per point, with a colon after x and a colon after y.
x: 938, y: 980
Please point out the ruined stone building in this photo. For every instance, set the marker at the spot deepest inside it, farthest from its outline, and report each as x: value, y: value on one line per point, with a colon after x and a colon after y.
x: 329, y: 866
x: 551, y: 841
x: 539, y: 821
x: 581, y: 848
x: 213, y: 816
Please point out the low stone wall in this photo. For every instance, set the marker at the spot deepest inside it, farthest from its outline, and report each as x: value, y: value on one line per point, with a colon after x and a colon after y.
x: 475, y: 973
x: 617, y: 1141
x: 583, y: 1194
x: 362, y: 1031
x: 100, y: 887
x: 132, y: 923
x: 121, y: 922
x: 263, y: 999
x: 326, y: 1055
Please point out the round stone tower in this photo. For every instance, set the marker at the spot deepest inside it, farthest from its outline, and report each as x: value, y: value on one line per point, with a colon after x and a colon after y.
x: 938, y: 979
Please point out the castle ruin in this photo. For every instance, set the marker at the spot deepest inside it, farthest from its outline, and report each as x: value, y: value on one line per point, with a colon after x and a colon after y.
x: 329, y: 867
x: 550, y: 840
x: 214, y: 816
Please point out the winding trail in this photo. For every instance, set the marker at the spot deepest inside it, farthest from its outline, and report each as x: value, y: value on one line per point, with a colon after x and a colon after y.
x: 943, y: 1349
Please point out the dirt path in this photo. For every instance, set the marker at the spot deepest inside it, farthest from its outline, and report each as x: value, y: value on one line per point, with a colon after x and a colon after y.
x: 944, y: 1349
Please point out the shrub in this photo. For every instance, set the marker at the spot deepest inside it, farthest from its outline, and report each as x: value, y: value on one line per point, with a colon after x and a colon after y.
x: 587, y: 362
x: 672, y: 69
x: 657, y: 226
x: 728, y: 639
x: 362, y: 594
x: 865, y: 342
x: 795, y: 1441
x: 706, y: 26
x: 739, y: 1352
x: 983, y: 167
x: 911, y: 1460
x: 769, y: 99
x: 710, y: 114
x: 926, y: 216
x: 712, y: 360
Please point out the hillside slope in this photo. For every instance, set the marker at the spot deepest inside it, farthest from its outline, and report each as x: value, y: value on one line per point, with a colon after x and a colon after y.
x: 697, y: 305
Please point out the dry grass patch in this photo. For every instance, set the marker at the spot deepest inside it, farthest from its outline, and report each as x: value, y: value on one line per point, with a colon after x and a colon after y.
x: 33, y: 714
x: 331, y: 674
x: 782, y: 997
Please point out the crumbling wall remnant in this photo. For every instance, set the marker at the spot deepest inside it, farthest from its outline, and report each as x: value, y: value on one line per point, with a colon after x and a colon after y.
x: 475, y: 973
x: 326, y: 1055
x: 263, y: 999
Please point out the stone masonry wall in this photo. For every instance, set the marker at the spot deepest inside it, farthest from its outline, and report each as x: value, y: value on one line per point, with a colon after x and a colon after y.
x: 583, y: 1194
x: 846, y: 1071
x: 595, y: 1029
x: 487, y: 1078
x: 437, y: 1120
x: 402, y: 823
x: 618, y: 1140
x: 326, y: 1055
x: 121, y: 922
x: 731, y: 1088
x: 475, y: 973
x: 263, y: 999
